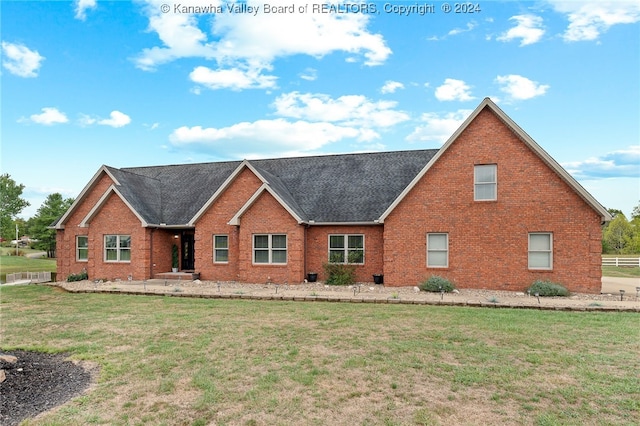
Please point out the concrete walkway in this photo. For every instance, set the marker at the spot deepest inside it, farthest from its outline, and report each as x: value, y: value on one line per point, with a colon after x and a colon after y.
x: 613, y: 285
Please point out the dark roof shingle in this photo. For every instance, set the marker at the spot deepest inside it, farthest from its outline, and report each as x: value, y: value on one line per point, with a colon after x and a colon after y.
x: 332, y: 188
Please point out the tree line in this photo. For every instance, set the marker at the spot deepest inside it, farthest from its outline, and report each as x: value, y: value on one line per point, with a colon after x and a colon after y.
x: 36, y: 227
x: 622, y: 236
x: 619, y: 236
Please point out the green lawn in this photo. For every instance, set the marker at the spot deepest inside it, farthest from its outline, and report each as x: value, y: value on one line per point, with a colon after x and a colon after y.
x: 179, y: 361
x: 12, y: 264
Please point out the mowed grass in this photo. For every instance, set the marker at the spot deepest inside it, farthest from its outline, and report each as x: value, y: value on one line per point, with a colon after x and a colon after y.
x: 182, y: 361
x: 12, y: 264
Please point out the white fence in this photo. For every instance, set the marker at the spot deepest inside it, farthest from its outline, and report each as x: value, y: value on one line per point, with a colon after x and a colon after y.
x: 34, y: 277
x: 621, y: 261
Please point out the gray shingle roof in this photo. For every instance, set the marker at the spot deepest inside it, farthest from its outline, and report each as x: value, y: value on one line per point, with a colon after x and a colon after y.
x: 332, y: 188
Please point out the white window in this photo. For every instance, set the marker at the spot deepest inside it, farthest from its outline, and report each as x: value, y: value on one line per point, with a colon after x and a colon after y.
x: 221, y: 248
x: 485, y: 180
x: 437, y: 250
x: 82, y: 248
x: 117, y: 248
x: 346, y: 249
x: 540, y: 250
x: 270, y: 248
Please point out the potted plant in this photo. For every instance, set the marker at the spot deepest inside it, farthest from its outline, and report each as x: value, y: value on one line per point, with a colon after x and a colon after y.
x: 312, y: 277
x: 174, y: 258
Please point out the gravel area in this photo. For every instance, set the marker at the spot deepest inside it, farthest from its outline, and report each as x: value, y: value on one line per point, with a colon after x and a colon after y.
x: 38, y: 382
x: 365, y: 292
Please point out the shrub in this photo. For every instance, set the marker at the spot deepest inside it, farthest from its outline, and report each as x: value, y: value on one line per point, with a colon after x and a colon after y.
x: 437, y: 284
x: 339, y: 273
x: 548, y: 289
x: 78, y: 277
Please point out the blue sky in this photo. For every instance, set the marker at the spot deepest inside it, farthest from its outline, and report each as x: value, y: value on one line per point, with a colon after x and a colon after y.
x: 121, y: 83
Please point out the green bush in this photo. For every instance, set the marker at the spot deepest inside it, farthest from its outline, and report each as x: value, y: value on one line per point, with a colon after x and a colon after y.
x: 339, y: 273
x: 547, y: 289
x: 78, y: 277
x: 437, y: 284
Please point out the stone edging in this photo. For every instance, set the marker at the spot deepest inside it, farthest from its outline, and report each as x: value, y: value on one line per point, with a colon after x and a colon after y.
x: 342, y: 299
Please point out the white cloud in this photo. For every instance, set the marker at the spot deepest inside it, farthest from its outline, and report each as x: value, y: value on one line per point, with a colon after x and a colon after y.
x: 48, y: 117
x: 352, y: 110
x: 235, y: 79
x: 438, y: 127
x: 615, y: 164
x: 518, y: 87
x: 20, y: 60
x: 309, y: 74
x: 277, y: 137
x: 470, y: 26
x: 116, y: 119
x: 589, y: 19
x: 391, y: 86
x: 454, y: 90
x: 529, y: 30
x: 82, y: 6
x: 247, y: 43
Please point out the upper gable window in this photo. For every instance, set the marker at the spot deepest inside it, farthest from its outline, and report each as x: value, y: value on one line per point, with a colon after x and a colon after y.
x: 485, y: 182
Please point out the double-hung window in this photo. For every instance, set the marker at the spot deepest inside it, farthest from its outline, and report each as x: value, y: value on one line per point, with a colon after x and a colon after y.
x: 485, y: 182
x: 117, y: 248
x: 438, y: 250
x: 346, y: 249
x: 82, y: 248
x: 221, y: 248
x: 540, y: 250
x: 270, y: 248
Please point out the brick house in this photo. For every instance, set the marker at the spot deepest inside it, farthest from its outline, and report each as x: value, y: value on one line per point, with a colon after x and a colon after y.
x: 490, y: 209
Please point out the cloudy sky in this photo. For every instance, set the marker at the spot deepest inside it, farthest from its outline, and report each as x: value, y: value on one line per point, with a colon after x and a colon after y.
x: 152, y: 82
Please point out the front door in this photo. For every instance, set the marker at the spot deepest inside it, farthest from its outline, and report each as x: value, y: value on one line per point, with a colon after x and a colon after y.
x: 188, y: 251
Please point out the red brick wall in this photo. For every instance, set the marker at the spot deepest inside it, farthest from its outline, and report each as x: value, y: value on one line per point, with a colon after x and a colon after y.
x: 267, y: 216
x: 114, y: 218
x: 318, y: 249
x: 488, y: 241
x: 66, y: 238
x: 215, y: 221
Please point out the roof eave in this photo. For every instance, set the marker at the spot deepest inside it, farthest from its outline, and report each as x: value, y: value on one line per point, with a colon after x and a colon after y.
x: 235, y: 220
x: 103, y: 169
x: 103, y: 199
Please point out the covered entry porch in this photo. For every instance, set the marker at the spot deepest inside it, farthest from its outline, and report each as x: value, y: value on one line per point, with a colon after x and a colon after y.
x: 173, y: 254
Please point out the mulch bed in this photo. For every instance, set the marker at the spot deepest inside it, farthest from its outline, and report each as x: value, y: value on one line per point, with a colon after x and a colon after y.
x: 38, y: 382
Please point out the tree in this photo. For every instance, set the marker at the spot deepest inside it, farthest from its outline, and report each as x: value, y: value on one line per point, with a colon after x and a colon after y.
x: 617, y: 233
x: 635, y: 213
x: 52, y: 208
x: 11, y: 204
x: 615, y: 212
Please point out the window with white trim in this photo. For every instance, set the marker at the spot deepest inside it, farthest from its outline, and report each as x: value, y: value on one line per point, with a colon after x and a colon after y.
x: 485, y: 182
x: 82, y: 248
x: 270, y: 248
x: 540, y: 250
x: 346, y: 248
x: 437, y: 250
x: 221, y: 248
x: 117, y: 248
